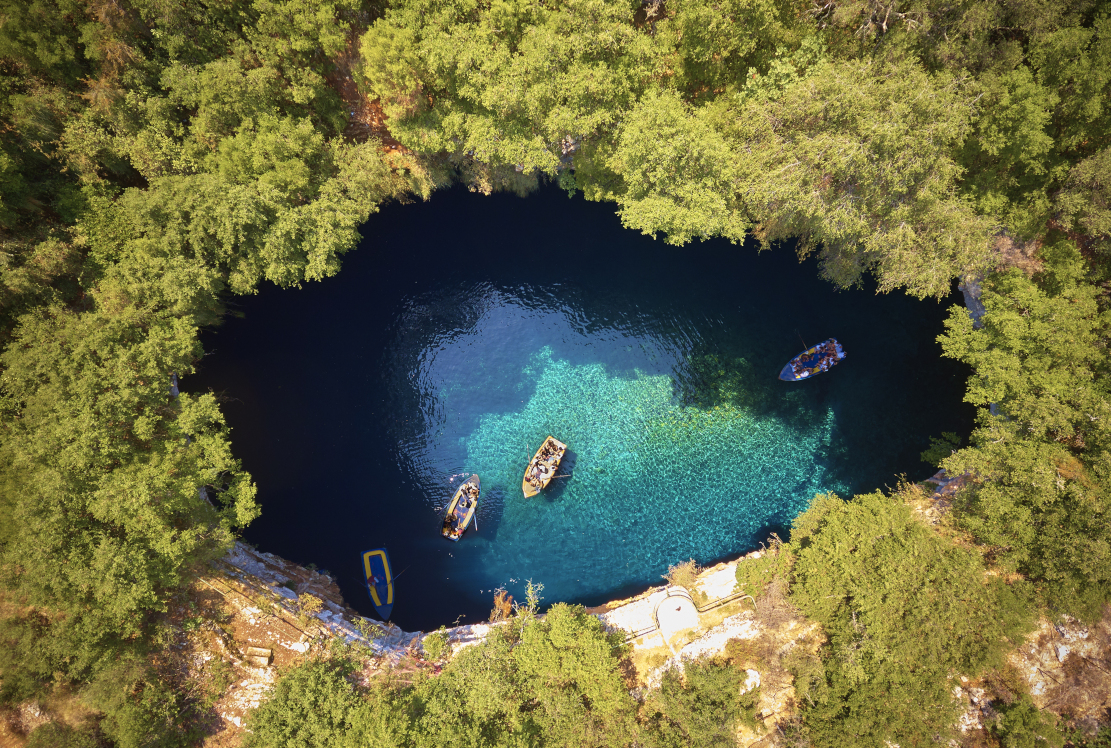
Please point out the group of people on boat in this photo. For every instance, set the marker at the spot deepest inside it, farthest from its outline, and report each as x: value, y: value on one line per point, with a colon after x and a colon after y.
x: 543, y: 465
x: 470, y: 495
x: 823, y: 357
x: 456, y: 520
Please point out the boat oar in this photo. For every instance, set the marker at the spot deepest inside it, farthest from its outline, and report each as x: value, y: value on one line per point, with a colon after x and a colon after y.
x: 804, y: 345
x: 402, y: 572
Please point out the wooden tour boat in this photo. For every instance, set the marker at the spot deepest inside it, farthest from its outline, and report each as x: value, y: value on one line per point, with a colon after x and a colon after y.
x: 542, y: 468
x: 461, y: 510
x: 813, y: 361
x: 379, y: 581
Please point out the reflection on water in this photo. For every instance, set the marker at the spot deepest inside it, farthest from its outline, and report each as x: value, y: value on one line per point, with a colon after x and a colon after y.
x: 672, y: 457
x: 360, y: 403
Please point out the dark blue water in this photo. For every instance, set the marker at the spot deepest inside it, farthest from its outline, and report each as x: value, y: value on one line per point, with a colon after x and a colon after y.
x: 466, y: 329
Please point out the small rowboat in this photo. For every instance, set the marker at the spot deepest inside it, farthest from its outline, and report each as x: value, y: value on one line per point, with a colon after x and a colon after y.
x: 813, y: 361
x: 461, y: 510
x: 542, y: 468
x: 379, y: 581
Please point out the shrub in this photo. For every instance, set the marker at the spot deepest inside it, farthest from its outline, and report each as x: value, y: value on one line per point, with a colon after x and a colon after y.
x: 310, y: 604
x: 559, y: 683
x: 312, y: 705
x: 1021, y: 725
x: 683, y: 575
x: 58, y: 735
x: 27, y: 659
x: 503, y: 606
x: 755, y: 574
x: 701, y: 706
x: 903, y: 609
x: 941, y: 447
x: 140, y: 711
x: 1041, y: 499
x: 436, y: 644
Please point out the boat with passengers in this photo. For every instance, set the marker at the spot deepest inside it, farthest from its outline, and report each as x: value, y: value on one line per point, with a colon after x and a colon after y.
x: 542, y: 468
x: 813, y: 361
x: 462, y: 509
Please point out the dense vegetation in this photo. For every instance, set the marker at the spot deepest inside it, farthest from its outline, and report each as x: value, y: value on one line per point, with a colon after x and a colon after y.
x: 904, y: 609
x: 155, y: 158
x: 553, y: 681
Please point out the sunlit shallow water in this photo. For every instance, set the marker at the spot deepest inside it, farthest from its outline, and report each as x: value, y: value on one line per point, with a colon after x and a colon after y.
x: 652, y: 480
x: 467, y: 329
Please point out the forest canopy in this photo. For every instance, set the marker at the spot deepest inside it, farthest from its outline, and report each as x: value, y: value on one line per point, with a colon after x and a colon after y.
x: 157, y: 158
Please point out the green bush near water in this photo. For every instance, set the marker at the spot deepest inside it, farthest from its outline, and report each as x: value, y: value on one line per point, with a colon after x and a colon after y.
x: 436, y: 645
x: 1041, y: 454
x: 755, y: 574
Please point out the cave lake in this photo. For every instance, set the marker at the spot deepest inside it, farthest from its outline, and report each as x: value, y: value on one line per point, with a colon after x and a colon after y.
x: 465, y: 329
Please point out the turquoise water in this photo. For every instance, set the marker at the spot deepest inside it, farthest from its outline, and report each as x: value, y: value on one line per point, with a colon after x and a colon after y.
x: 651, y: 480
x: 466, y: 329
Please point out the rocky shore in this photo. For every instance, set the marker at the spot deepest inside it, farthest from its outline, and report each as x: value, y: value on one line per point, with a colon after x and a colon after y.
x: 288, y: 610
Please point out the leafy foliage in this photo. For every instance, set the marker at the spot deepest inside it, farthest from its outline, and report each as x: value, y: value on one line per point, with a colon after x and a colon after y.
x: 1040, y: 454
x: 684, y: 574
x: 57, y: 735
x: 558, y: 683
x: 706, y: 53
x: 1021, y: 725
x: 701, y: 706
x: 510, y: 83
x: 139, y: 710
x: 677, y: 173
x: 755, y: 574
x: 1085, y: 202
x: 106, y: 471
x: 436, y: 645
x: 153, y: 157
x: 157, y: 156
x: 27, y: 658
x: 311, y: 705
x: 941, y: 447
x: 903, y: 609
x: 551, y: 681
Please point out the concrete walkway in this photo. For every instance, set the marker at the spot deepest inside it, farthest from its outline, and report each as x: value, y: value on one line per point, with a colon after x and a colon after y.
x: 675, y: 612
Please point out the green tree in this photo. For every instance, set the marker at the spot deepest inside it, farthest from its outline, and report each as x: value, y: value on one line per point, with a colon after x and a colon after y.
x: 511, y: 84
x: 677, y: 173
x: 701, y: 705
x: 551, y: 681
x: 904, y: 609
x: 1021, y: 725
x: 139, y: 711
x: 856, y: 161
x: 1085, y: 202
x: 1039, y: 454
x: 557, y: 684
x: 716, y: 46
x: 312, y: 705
x: 112, y: 489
